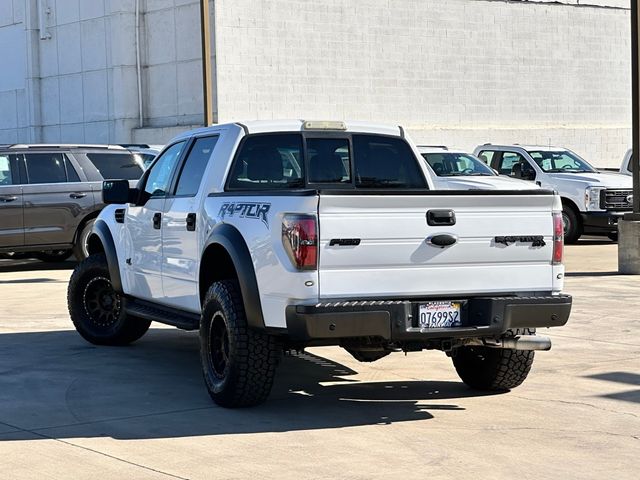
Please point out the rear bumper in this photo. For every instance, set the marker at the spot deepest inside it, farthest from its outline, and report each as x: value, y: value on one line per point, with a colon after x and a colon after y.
x: 601, y: 222
x: 397, y: 320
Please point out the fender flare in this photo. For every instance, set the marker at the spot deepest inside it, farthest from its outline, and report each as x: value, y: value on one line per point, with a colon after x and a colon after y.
x: 101, y: 230
x: 229, y: 238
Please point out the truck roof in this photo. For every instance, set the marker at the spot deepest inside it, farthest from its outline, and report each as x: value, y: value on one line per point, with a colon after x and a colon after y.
x: 540, y: 148
x: 268, y: 126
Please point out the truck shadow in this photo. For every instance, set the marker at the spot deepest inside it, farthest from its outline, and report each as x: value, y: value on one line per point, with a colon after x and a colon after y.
x: 33, y: 265
x: 55, y: 385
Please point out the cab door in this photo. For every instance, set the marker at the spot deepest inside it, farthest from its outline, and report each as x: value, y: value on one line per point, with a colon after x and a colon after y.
x: 182, y: 223
x: 11, y: 205
x: 143, y: 249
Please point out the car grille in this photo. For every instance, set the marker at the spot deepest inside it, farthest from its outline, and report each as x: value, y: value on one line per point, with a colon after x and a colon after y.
x: 616, y: 200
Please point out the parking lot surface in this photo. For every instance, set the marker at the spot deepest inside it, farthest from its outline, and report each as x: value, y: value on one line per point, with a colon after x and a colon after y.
x: 69, y: 409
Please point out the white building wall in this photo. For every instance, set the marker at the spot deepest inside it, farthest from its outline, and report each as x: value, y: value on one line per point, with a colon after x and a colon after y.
x: 459, y: 72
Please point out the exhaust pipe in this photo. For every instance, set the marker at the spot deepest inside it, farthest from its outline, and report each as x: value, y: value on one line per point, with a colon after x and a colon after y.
x: 519, y: 342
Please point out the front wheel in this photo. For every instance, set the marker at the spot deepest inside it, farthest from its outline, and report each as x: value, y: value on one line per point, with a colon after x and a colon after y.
x: 572, y: 225
x: 495, y: 369
x: 95, y: 308
x: 238, y: 363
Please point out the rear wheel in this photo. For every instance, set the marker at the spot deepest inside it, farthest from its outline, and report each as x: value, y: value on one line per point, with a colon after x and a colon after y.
x: 613, y: 236
x: 572, y: 224
x: 496, y: 369
x: 53, y: 255
x: 96, y: 310
x: 238, y: 363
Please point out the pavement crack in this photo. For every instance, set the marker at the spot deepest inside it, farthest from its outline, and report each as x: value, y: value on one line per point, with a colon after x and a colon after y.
x: 92, y: 450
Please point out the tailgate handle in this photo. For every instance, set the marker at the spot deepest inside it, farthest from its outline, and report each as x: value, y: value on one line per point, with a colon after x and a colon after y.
x: 438, y: 218
x: 442, y: 240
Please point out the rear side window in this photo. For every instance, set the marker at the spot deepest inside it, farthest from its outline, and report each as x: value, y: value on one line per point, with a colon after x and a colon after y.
x: 194, y: 166
x: 6, y: 178
x: 116, y: 166
x: 486, y: 156
x: 268, y: 162
x: 385, y: 162
x: 46, y: 167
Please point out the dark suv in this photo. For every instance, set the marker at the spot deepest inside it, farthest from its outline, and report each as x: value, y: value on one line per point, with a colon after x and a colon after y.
x: 51, y: 194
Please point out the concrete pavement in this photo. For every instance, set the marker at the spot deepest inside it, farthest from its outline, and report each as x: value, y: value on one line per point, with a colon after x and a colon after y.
x: 72, y: 410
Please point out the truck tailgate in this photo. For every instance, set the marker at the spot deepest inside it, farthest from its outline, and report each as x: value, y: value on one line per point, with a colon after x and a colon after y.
x: 394, y: 258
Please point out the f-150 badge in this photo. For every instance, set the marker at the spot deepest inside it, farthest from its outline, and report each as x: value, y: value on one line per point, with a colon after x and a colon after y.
x: 246, y: 210
x: 534, y: 240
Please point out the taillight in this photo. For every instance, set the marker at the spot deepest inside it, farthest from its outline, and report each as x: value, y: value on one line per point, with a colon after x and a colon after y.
x: 300, y: 240
x: 558, y: 238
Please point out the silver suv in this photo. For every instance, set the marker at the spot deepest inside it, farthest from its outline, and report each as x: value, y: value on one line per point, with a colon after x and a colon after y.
x: 51, y: 194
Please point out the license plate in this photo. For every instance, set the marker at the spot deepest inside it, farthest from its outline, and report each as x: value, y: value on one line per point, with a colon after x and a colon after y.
x: 440, y: 315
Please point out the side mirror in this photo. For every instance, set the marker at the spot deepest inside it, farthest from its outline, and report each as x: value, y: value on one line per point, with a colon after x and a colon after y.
x: 117, y: 191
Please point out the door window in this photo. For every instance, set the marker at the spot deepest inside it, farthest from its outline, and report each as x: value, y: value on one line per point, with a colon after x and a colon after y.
x: 194, y: 166
x: 486, y: 156
x: 508, y: 160
x: 159, y: 178
x: 6, y: 178
x: 46, y: 167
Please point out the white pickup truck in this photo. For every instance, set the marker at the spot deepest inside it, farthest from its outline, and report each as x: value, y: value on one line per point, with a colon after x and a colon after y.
x: 625, y: 168
x: 275, y: 236
x: 458, y: 170
x: 592, y: 201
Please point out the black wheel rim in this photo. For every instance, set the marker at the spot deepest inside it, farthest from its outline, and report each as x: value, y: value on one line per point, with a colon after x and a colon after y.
x: 101, y: 302
x: 565, y: 223
x: 219, y: 345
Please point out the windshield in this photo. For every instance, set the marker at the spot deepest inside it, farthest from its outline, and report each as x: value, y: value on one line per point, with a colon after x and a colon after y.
x: 561, y: 161
x: 447, y: 164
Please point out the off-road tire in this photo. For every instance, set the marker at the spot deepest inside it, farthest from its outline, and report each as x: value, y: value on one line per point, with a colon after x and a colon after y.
x: 367, y: 356
x: 494, y: 369
x: 613, y: 236
x: 96, y: 310
x: 238, y: 363
x: 52, y: 256
x: 81, y: 247
x: 572, y: 225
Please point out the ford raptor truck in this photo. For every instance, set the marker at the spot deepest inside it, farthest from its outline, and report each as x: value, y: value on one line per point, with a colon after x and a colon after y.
x: 274, y: 236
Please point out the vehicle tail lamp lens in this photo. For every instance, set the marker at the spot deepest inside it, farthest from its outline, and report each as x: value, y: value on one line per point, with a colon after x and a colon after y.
x: 300, y: 240
x: 558, y: 238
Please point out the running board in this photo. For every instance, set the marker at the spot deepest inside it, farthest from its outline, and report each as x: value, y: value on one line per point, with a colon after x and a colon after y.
x: 162, y: 314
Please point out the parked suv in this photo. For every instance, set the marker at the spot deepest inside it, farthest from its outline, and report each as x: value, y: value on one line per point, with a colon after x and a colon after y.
x: 51, y: 194
x: 592, y: 201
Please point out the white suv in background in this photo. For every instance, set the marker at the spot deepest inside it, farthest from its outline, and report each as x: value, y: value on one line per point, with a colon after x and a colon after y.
x: 592, y: 200
x: 458, y: 170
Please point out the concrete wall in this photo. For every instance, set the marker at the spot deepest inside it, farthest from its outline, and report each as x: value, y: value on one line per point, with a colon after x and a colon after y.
x: 461, y: 72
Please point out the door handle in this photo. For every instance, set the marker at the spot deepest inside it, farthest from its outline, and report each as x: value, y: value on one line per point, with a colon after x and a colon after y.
x: 191, y: 222
x: 8, y: 198
x: 77, y: 195
x: 437, y: 218
x: 157, y: 220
